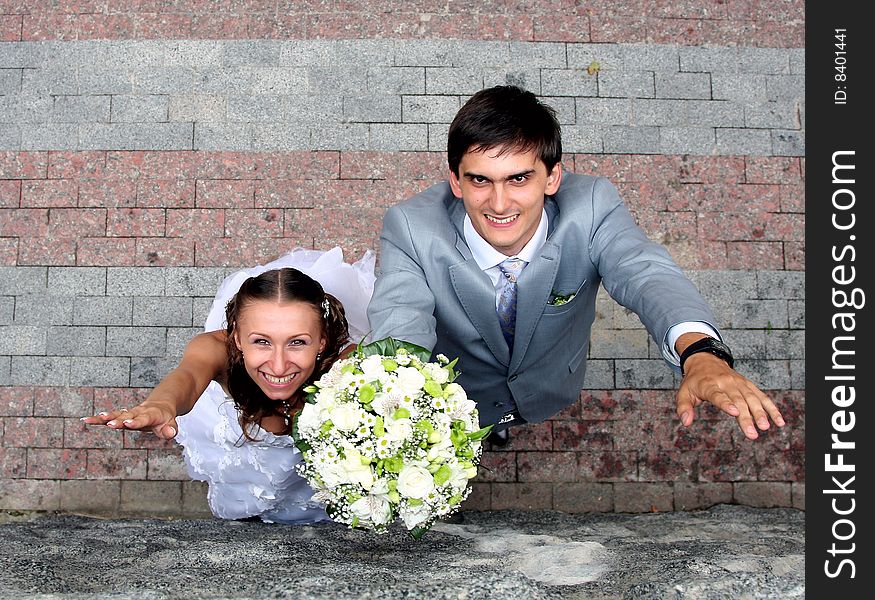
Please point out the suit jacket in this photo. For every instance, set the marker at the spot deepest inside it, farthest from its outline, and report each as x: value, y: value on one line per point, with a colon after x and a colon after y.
x: 432, y: 293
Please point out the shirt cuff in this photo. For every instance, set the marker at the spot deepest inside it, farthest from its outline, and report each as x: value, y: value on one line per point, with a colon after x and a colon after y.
x: 676, y: 331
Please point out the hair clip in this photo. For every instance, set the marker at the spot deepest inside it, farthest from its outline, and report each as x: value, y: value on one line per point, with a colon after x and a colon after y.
x: 326, y: 308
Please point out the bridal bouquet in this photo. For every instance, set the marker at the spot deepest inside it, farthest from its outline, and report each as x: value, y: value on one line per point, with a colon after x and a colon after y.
x: 385, y: 434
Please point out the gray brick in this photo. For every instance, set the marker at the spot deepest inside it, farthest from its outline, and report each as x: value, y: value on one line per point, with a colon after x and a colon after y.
x: 683, y: 85
x: 477, y: 53
x: 49, y: 137
x: 197, y: 107
x: 528, y: 79
x: 194, y: 53
x: 22, y: 340
x: 763, y: 60
x: 238, y: 136
x: 398, y: 136
x: 136, y: 136
x: 581, y: 138
x: 260, y: 80
x: 334, y: 81
x: 26, y: 108
x: 200, y: 309
x: 783, y: 343
x: 306, y: 110
x: 76, y: 341
x: 164, y: 80
x: 148, y: 371
x: 40, y: 370
x: 796, y: 313
x: 177, y: 339
x: 7, y: 310
x: 453, y: 80
x: 102, y: 311
x: 565, y: 109
x: 100, y: 371
x: 604, y: 111
x: 10, y: 137
x: 744, y: 141
x: 797, y: 374
x: 437, y: 137
x: 702, y: 59
x: 280, y: 136
x: 136, y: 341
x: 599, y: 375
x: 780, y: 284
x: 788, y: 143
x: 626, y: 84
x: 749, y: 344
x: 105, y: 81
x: 77, y: 281
x: 49, y: 81
x: 568, y: 82
x: 129, y: 55
x: 428, y: 53
x: 5, y: 370
x: 251, y: 52
x: 724, y: 284
x: 618, y: 344
x: 739, y: 88
x: 644, y: 374
x: 10, y: 81
x: 248, y: 109
x: 537, y: 54
x: 758, y: 314
x: 429, y: 109
x: 134, y: 281
x: 767, y: 374
x: 139, y: 109
x: 772, y: 115
x: 687, y: 140
x: 25, y: 54
x: 165, y: 312
x: 360, y: 52
x: 797, y: 61
x: 620, y: 139
x: 675, y: 113
x: 43, y: 310
x: 785, y: 87
x: 194, y: 281
x: 396, y: 80
x: 23, y: 280
x: 344, y: 136
x: 624, y: 57
x: 372, y: 109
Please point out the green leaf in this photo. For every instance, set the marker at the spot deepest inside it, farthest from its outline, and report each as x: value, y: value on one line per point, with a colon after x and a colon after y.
x: 390, y: 347
x: 433, y: 388
x: 480, y: 434
x: 417, y: 532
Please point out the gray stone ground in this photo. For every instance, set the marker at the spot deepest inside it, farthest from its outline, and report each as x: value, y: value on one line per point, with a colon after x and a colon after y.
x: 725, y: 552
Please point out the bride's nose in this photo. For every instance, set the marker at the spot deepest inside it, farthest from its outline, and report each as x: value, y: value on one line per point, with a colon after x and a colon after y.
x: 278, y: 361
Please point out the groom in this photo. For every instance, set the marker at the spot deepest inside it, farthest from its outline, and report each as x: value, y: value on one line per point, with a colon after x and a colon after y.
x: 500, y: 265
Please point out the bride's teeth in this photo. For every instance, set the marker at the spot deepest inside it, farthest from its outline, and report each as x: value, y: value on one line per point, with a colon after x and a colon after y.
x: 278, y: 380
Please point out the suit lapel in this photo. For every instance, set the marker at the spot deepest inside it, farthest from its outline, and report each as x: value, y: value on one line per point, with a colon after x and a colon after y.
x: 533, y: 292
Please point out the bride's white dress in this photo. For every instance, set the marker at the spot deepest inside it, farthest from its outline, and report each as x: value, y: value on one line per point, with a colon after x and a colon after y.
x: 246, y: 478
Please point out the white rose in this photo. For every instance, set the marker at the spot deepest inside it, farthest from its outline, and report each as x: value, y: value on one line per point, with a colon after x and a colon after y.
x: 355, y: 471
x: 455, y: 392
x: 309, y: 420
x: 398, y: 430
x: 345, y: 417
x: 372, y: 367
x: 413, y: 516
x: 415, y: 482
x: 410, y: 381
x: 437, y: 373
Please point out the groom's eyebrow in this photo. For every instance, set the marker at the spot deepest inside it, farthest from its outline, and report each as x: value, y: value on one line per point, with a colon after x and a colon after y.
x: 472, y: 175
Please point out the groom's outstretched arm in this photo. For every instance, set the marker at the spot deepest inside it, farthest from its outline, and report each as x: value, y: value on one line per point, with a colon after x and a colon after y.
x: 204, y: 360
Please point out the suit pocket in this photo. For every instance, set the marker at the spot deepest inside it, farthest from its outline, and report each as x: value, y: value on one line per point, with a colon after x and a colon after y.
x: 553, y: 309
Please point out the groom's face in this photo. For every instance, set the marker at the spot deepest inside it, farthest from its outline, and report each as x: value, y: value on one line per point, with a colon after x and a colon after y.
x: 503, y: 191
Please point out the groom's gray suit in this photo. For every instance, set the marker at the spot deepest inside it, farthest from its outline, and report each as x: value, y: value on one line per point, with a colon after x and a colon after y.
x: 432, y: 293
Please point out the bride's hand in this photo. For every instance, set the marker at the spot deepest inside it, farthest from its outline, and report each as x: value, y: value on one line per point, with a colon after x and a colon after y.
x: 154, y: 417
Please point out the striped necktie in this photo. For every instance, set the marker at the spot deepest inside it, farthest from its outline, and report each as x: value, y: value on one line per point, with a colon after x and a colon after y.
x: 506, y: 308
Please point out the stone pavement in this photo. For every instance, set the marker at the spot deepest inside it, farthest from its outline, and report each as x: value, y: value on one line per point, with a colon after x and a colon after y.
x: 725, y: 552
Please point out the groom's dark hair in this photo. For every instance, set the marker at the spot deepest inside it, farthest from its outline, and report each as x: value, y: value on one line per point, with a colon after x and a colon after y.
x: 505, y: 117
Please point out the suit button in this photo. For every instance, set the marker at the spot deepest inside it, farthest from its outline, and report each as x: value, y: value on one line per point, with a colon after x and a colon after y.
x: 498, y: 404
x: 513, y: 377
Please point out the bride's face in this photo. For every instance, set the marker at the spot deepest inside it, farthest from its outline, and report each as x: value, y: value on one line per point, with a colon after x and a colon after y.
x: 279, y: 343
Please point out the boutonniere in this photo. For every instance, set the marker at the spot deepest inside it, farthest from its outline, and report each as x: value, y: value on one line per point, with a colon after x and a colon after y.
x: 557, y: 299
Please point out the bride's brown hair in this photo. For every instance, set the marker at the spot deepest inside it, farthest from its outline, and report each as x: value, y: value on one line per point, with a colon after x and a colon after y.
x: 280, y: 285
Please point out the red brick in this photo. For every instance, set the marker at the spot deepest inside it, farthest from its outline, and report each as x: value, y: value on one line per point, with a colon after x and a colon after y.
x: 353, y: 230
x: 33, y: 432
x: 49, y: 193
x: 13, y: 463
x: 521, y: 496
x: 76, y: 165
x: 56, y: 463
x: 59, y: 251
x: 771, y: 169
x: 218, y: 27
x: 165, y: 193
x: 146, y: 439
x: 752, y: 255
x: 162, y: 26
x: 532, y: 436
x: 644, y: 432
x: 10, y: 193
x: 105, y: 27
x: 256, y: 223
x: 16, y: 401
x: 546, y: 466
x: 792, y: 198
x: 583, y: 435
x: 607, y: 465
x: 79, y: 435
x: 616, y: 167
x: 224, y: 193
x: 29, y: 494
x: 108, y: 193
x: 8, y: 252
x: 497, y: 466
x: 698, y: 496
x: 480, y: 498
x: 266, y: 165
x: 243, y: 252
x: 666, y: 465
x: 63, y: 401
x: 765, y: 494
x: 167, y: 465
x: 608, y: 404
x: 10, y: 28
x: 727, y: 465
x: 78, y: 222
x: 429, y: 167
x: 48, y: 26
x: 794, y: 256
x: 561, y: 28
x: 164, y: 252
x: 135, y: 222
x: 613, y: 29
x: 285, y: 193
x: 196, y: 223
x: 643, y: 497
x: 106, y: 399
x: 24, y: 222
x: 117, y: 464
x: 23, y: 165
x: 106, y: 252
x: 787, y: 465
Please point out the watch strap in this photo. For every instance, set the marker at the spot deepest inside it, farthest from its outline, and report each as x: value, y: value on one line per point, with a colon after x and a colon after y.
x: 710, y: 345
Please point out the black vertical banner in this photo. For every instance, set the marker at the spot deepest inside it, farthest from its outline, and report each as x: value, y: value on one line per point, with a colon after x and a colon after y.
x: 838, y: 276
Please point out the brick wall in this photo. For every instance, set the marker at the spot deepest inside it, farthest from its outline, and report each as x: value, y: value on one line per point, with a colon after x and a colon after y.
x: 148, y: 148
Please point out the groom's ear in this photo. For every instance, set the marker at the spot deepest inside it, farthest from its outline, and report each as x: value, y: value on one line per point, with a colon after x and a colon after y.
x: 455, y: 185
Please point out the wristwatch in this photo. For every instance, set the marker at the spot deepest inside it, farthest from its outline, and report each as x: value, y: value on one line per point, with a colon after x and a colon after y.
x: 711, y: 345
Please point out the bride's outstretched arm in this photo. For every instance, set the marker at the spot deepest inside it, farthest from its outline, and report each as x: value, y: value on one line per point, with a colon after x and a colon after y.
x: 204, y: 359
